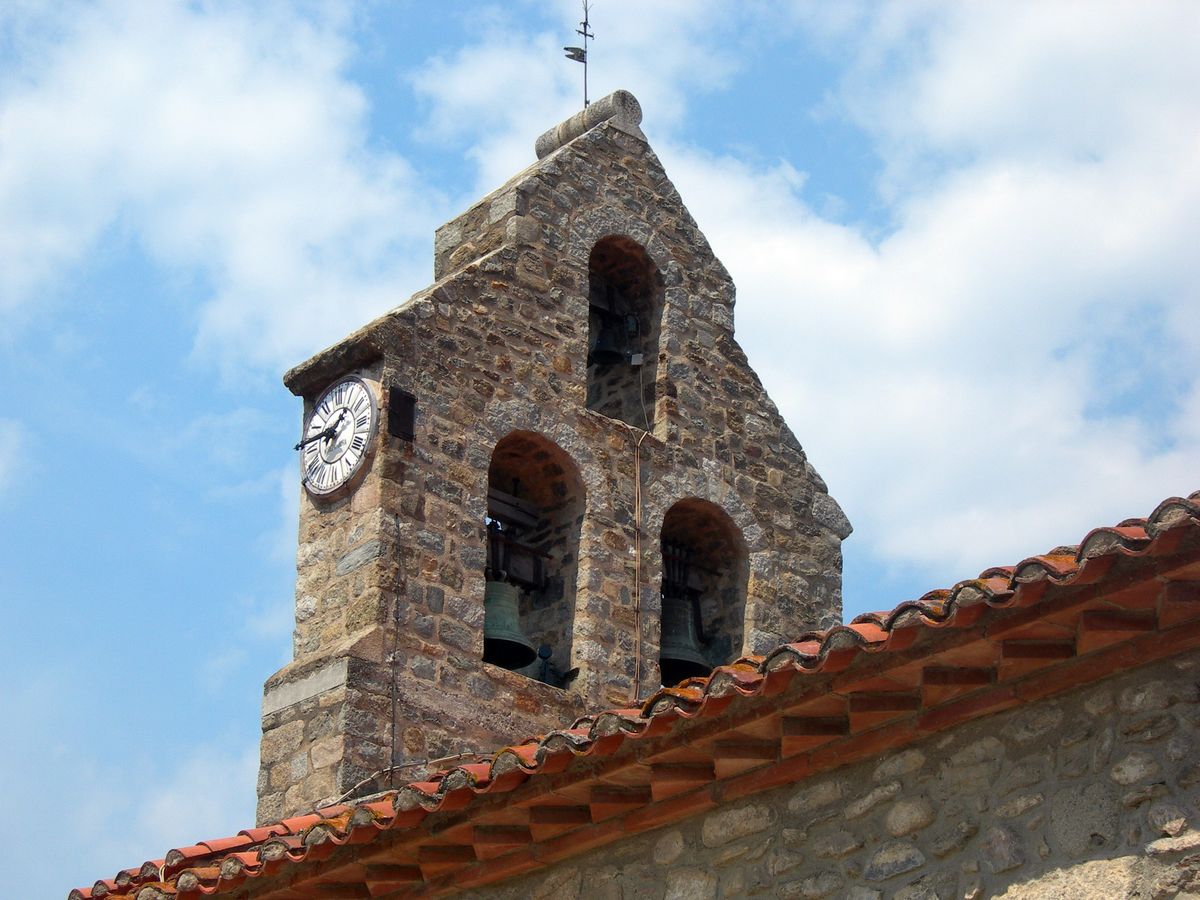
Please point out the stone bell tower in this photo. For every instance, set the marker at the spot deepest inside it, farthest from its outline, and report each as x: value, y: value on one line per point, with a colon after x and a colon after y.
x: 564, y: 426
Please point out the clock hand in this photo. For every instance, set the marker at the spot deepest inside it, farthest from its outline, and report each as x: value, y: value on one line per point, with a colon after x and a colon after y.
x: 328, y: 432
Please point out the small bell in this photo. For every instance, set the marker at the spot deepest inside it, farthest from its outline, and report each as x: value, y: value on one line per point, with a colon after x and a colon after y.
x: 610, y: 346
x: 503, y: 642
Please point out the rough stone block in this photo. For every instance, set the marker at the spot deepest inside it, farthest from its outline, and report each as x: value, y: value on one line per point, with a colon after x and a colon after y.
x: 813, y: 797
x: 730, y: 824
x: 908, y: 815
x: 893, y: 858
x: 863, y: 805
x: 691, y: 884
x: 280, y: 743
x: 1134, y: 767
x: 359, y: 557
x: 1002, y: 849
x: 899, y: 764
x: 1082, y: 818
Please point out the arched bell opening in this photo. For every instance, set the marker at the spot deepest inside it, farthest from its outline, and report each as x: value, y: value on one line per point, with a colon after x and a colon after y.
x: 625, y: 306
x: 535, y: 507
x: 705, y: 570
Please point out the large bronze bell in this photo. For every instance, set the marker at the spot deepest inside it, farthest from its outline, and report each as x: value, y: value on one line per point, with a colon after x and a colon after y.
x: 680, y: 655
x: 503, y: 643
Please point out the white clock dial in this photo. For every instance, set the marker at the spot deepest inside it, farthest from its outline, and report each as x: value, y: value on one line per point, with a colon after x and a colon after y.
x: 339, y: 435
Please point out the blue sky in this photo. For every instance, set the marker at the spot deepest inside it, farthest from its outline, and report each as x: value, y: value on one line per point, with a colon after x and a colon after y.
x: 964, y: 238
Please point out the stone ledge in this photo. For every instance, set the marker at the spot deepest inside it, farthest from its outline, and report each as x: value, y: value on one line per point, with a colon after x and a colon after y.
x: 290, y: 693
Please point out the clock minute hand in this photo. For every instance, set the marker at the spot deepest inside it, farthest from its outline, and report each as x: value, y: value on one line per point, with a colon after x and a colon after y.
x: 328, y: 432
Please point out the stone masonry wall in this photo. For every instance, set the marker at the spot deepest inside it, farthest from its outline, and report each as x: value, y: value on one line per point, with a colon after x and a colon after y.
x: 390, y: 586
x: 1093, y: 794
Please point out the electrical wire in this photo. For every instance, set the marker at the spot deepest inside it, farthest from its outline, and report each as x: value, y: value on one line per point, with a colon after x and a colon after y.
x: 637, y: 568
x: 391, y: 770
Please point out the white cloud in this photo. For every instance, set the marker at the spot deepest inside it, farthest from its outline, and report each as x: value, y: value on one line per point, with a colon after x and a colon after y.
x: 956, y: 381
x: 208, y: 792
x: 509, y: 86
x: 1020, y: 344
x: 223, y: 140
x: 1065, y: 83
x: 1015, y: 361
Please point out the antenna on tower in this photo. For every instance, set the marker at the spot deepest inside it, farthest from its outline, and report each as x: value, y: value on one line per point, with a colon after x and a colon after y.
x: 579, y: 54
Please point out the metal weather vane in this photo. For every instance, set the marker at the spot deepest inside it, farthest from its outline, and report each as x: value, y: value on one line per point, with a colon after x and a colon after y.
x: 580, y: 54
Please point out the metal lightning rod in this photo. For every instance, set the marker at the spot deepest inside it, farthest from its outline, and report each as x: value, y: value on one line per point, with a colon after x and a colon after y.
x: 579, y: 54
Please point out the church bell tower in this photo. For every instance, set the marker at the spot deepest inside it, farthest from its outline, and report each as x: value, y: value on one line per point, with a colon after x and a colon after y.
x: 545, y: 485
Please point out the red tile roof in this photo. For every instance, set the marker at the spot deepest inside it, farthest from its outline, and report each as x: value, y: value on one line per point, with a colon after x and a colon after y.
x: 1126, y: 595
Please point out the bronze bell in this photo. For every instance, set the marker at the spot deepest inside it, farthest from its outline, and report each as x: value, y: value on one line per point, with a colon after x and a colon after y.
x: 610, y: 346
x: 680, y: 655
x: 503, y: 643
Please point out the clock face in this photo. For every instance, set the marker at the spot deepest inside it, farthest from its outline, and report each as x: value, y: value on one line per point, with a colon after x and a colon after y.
x: 339, y: 435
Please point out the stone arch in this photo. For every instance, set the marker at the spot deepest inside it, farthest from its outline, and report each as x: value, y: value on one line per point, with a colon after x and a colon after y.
x: 536, y: 500
x: 521, y: 415
x: 705, y: 571
x: 625, y: 311
x: 708, y: 485
x: 591, y: 224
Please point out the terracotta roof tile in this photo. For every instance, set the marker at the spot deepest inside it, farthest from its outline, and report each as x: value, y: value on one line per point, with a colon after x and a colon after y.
x: 258, y: 835
x: 1058, y: 629
x: 226, y: 844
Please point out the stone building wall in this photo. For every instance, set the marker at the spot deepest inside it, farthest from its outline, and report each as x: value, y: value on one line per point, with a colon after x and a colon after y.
x: 1092, y: 794
x: 389, y: 618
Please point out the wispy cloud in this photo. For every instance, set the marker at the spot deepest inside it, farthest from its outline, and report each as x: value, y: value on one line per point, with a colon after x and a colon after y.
x: 970, y: 384
x: 1035, y: 281
x: 509, y: 85
x: 1011, y: 359
x: 201, y: 794
x: 223, y: 140
x: 1013, y: 362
